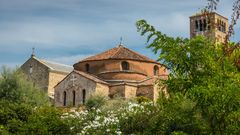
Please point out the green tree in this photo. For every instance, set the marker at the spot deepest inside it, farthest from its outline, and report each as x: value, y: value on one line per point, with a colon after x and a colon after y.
x: 18, y: 98
x: 46, y: 121
x: 14, y: 87
x: 201, y: 71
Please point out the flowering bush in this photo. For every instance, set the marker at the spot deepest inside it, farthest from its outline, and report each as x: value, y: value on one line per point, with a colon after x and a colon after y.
x: 117, y: 122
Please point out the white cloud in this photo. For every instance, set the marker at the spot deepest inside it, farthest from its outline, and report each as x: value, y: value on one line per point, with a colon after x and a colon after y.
x: 89, y: 25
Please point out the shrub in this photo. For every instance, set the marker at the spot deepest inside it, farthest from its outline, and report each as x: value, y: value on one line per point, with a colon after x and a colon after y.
x: 14, y: 87
x: 95, y: 101
x: 142, y: 99
x: 114, y: 104
x: 46, y: 120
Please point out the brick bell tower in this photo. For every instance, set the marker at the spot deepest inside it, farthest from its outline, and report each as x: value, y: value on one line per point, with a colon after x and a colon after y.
x: 209, y: 24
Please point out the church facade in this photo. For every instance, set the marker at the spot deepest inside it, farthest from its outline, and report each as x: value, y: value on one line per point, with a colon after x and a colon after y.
x: 45, y: 74
x: 118, y: 72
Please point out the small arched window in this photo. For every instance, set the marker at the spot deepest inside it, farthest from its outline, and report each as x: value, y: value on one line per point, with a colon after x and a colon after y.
x: 30, y: 69
x: 83, y: 96
x: 64, y: 98
x: 74, y: 97
x: 155, y: 70
x: 87, y: 67
x: 125, y: 65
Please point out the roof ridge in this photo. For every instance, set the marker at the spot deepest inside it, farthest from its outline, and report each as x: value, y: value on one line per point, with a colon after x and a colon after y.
x: 115, y: 52
x: 55, y: 66
x: 53, y: 62
x: 119, y: 52
x: 39, y: 60
x: 142, y: 56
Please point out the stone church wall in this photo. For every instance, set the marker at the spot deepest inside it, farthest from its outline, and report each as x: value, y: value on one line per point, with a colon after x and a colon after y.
x: 146, y: 91
x: 81, y: 83
x: 54, y: 79
x: 102, y: 89
x: 130, y: 91
x: 117, y: 91
x: 39, y: 73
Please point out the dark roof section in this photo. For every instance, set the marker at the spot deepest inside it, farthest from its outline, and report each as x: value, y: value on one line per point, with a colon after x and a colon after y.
x: 119, y: 52
x: 56, y: 66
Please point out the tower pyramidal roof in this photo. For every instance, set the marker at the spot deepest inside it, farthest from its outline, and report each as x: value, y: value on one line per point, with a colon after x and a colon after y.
x: 119, y: 53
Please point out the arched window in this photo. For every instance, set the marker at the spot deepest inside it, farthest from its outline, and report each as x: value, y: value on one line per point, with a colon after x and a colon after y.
x: 155, y: 70
x: 125, y: 65
x: 64, y: 98
x: 74, y: 97
x: 83, y: 96
x: 87, y: 67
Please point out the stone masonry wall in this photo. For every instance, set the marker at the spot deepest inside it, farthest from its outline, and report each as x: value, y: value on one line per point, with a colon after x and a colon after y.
x: 39, y: 73
x: 54, y: 79
x: 81, y: 83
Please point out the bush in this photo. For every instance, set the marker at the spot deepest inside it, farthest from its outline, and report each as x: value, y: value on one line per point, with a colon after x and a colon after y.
x: 114, y: 104
x: 14, y: 87
x: 142, y: 99
x: 95, y: 101
x: 46, y: 120
x: 10, y: 111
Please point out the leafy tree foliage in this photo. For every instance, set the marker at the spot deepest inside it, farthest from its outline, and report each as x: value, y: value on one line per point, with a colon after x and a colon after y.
x: 202, y: 73
x: 46, y: 120
x: 14, y: 87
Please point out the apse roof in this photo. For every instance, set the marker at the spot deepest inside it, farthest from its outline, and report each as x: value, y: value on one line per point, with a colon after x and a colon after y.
x: 120, y: 53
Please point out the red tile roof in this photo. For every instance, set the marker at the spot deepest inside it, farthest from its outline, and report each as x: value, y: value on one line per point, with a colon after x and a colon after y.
x: 119, y: 52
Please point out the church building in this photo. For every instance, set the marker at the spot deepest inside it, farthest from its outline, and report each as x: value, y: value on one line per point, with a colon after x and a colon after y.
x: 121, y: 72
x: 45, y: 74
x: 211, y: 25
x: 118, y: 72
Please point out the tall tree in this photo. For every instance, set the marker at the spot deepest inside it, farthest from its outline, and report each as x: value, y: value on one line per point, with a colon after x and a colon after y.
x: 204, y: 72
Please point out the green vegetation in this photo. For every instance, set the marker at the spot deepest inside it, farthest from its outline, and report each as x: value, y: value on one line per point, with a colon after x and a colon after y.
x: 203, y: 77
x: 95, y: 101
x: 15, y: 88
x: 203, y: 97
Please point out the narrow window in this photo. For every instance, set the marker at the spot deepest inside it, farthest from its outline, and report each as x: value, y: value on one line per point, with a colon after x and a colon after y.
x: 209, y: 24
x: 83, y: 96
x: 87, y: 67
x: 125, y: 65
x: 219, y: 25
x: 64, y: 98
x: 204, y: 24
x: 155, y: 70
x: 224, y: 27
x: 196, y: 25
x: 30, y: 69
x: 201, y: 25
x: 74, y: 97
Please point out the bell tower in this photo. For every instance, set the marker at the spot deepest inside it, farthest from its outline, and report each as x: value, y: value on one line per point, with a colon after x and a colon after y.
x: 209, y: 24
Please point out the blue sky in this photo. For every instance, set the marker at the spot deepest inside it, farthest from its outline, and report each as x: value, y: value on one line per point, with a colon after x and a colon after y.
x: 67, y: 31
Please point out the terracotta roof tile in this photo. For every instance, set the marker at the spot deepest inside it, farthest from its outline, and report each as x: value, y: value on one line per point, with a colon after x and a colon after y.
x: 119, y: 52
